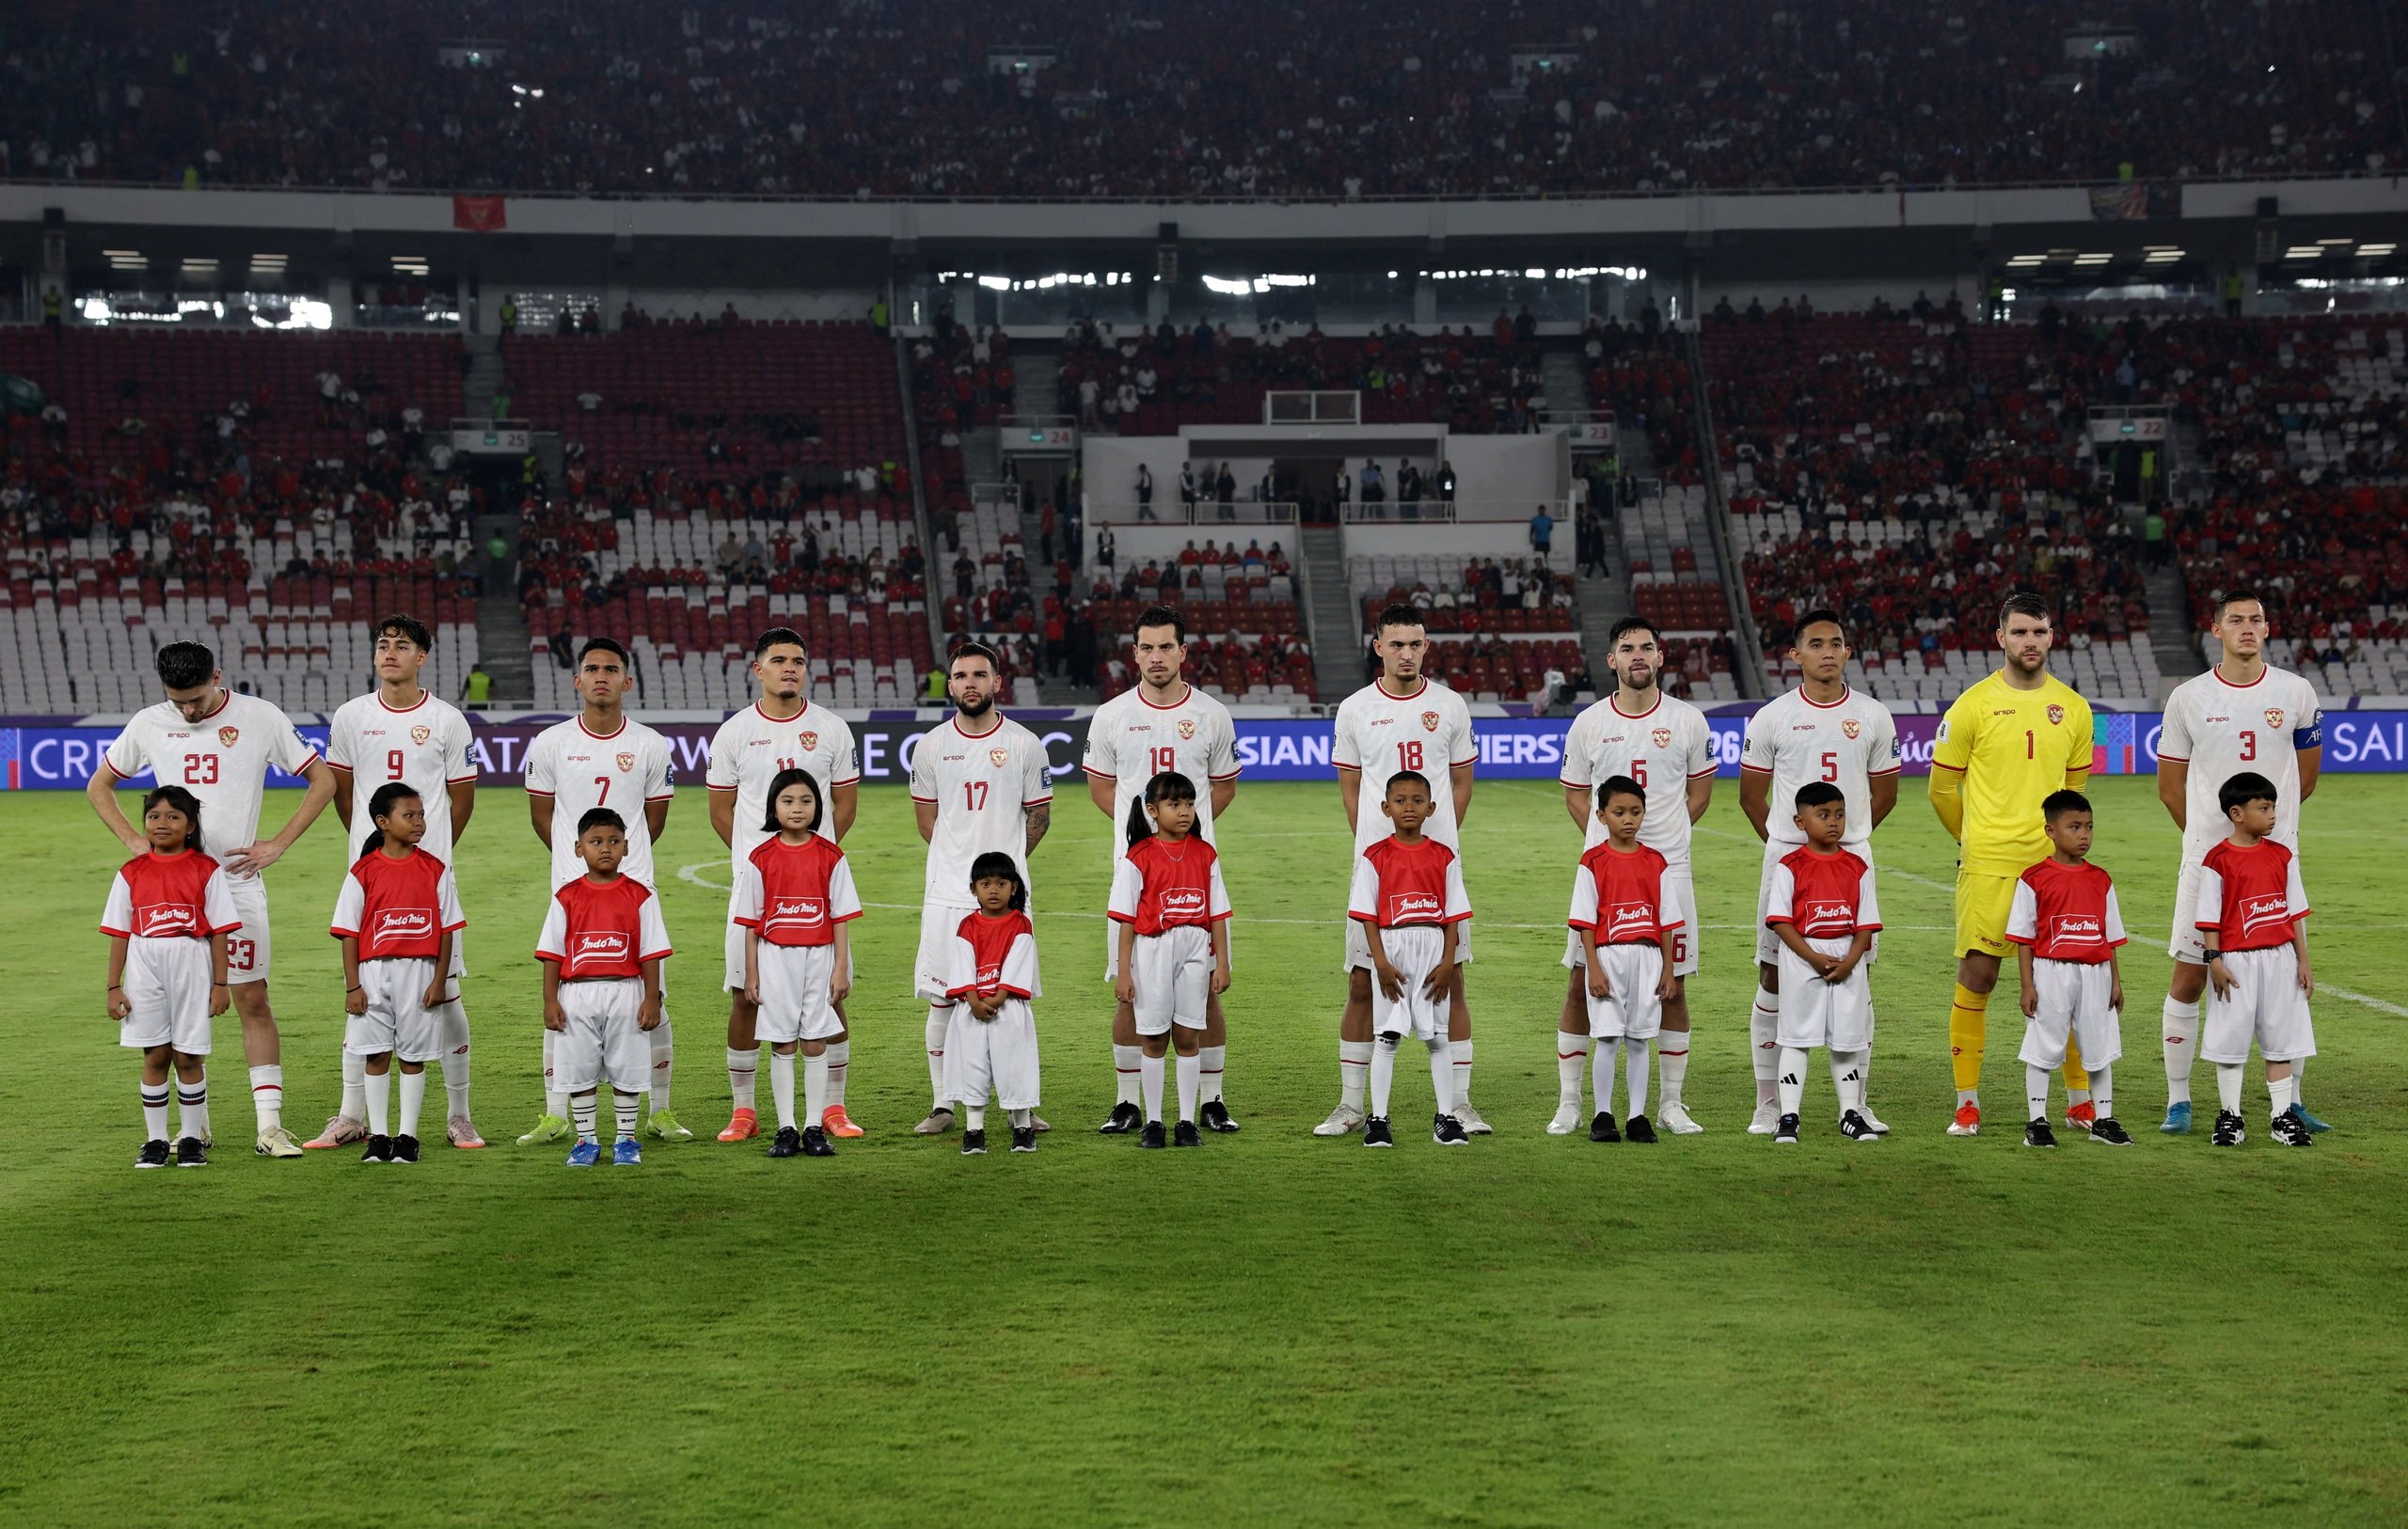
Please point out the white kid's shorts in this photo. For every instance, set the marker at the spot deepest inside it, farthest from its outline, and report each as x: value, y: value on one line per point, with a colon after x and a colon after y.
x: 2074, y: 998
x: 603, y: 1042
x: 167, y: 983
x: 1817, y: 1013
x: 795, y: 1004
x: 997, y: 1056
x: 1632, y: 1011
x: 1174, y: 978
x: 397, y: 1020
x: 2266, y: 1006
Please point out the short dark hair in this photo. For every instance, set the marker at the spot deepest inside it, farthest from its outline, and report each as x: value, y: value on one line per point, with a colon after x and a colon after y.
x: 409, y: 627
x: 2022, y: 603
x: 184, y: 665
x: 611, y: 646
x: 1819, y: 616
x: 2058, y: 803
x: 974, y: 649
x: 1399, y: 614
x: 994, y: 862
x: 1161, y: 615
x: 793, y: 775
x: 1618, y: 786
x: 1815, y: 793
x: 599, y: 817
x: 1409, y: 778
x: 1628, y: 624
x: 182, y: 801
x: 776, y: 635
x: 2236, y: 597
x: 2245, y: 788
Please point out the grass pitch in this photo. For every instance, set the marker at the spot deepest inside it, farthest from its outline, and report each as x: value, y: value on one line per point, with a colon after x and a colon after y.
x: 1274, y: 1329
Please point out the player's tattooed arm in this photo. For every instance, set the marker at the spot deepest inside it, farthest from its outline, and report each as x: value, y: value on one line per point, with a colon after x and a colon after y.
x: 1040, y: 817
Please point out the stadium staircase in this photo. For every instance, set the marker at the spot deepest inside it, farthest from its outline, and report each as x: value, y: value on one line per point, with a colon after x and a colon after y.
x: 2171, y: 638
x: 502, y: 639
x: 1567, y: 390
x: 1751, y: 674
x: 1330, y: 618
x: 1036, y: 380
x: 486, y: 374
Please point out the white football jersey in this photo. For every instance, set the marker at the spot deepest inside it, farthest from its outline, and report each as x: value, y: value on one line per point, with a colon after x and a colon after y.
x: 427, y: 748
x: 1846, y: 742
x: 581, y: 770
x: 1662, y: 749
x: 752, y: 747
x: 979, y: 782
x: 2220, y: 729
x: 222, y: 760
x: 1379, y: 734
x: 1131, y: 740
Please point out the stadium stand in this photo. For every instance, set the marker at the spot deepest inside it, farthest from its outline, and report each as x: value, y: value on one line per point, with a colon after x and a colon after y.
x: 889, y: 98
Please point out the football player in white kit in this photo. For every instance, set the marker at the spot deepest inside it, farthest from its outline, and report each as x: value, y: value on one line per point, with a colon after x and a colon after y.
x: 784, y: 730
x: 218, y: 745
x: 602, y: 757
x: 979, y: 783
x: 2243, y: 715
x: 1663, y: 743
x: 1822, y: 731
x: 1163, y: 724
x: 400, y: 732
x: 1401, y: 722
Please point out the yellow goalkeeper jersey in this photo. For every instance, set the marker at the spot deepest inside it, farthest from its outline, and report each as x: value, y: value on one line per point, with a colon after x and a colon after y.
x: 2013, y: 747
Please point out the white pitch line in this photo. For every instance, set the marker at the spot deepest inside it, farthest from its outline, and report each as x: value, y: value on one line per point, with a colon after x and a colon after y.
x: 2376, y: 1003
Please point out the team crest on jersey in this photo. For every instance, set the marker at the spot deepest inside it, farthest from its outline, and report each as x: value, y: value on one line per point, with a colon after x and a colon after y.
x: 2056, y: 715
x: 225, y: 736
x: 1001, y: 756
x: 1186, y: 726
x: 1662, y: 738
x: 810, y: 741
x: 1429, y: 721
x: 421, y: 733
x: 626, y: 762
x: 2273, y: 717
x: 1850, y: 726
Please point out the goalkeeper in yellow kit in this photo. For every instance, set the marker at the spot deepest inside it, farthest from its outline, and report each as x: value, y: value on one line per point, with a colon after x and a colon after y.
x: 2007, y: 742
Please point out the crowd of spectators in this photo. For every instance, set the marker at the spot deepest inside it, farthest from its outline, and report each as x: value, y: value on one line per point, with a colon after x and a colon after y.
x: 1251, y: 98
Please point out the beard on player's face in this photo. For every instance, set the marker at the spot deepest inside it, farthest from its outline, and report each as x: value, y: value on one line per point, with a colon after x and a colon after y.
x: 972, y: 704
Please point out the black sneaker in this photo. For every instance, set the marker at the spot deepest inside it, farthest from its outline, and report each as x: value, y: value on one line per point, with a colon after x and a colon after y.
x: 2107, y: 1131
x: 2229, y: 1131
x: 1152, y: 1136
x: 1602, y: 1128
x: 1024, y: 1139
x: 1784, y: 1132
x: 1640, y: 1128
x: 190, y: 1153
x: 380, y: 1149
x: 1376, y: 1132
x: 2038, y: 1133
x: 405, y: 1149
x: 1857, y: 1129
x: 1215, y: 1116
x: 1448, y: 1131
x: 973, y: 1144
x: 2290, y: 1130
x: 816, y: 1143
x: 1187, y: 1135
x: 1126, y: 1117
x: 154, y: 1154
x: 786, y: 1143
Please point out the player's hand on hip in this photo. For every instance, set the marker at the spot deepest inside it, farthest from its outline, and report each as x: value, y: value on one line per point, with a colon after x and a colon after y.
x: 252, y: 858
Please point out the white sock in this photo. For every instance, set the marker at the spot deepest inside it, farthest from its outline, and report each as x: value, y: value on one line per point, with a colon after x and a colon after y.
x: 377, y: 1087
x: 1149, y: 1085
x: 744, y: 1075
x: 1571, y: 1061
x: 192, y: 1107
x: 1764, y: 1030
x: 2102, y: 1091
x: 1125, y: 1063
x: 781, y: 1086
x: 1382, y: 1076
x: 267, y: 1097
x: 1443, y: 1075
x: 355, y: 1088
x: 581, y: 1110
x: 556, y: 1102
x: 1847, y: 1080
x: 1211, y: 1063
x: 840, y: 1061
x: 413, y: 1101
x: 974, y: 1118
x: 154, y: 1112
x: 1969, y: 1095
x: 2076, y: 1097
x: 1792, y: 1081
x: 663, y: 1058
x: 940, y: 1023
x: 1673, y: 1064
x: 1021, y: 1119
x: 2035, y: 1092
x: 2284, y: 1092
x: 2299, y: 1080
x: 454, y: 1030
x: 2180, y: 1029
x: 624, y: 1106
x: 1191, y: 1082
x: 2228, y: 1086
x: 1353, y: 1067
x: 1462, y: 1050
x: 1601, y: 1078
x: 815, y: 1087
x: 1635, y: 1088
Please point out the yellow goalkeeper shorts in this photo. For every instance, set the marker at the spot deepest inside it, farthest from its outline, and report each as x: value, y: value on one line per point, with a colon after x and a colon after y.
x: 1983, y: 903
